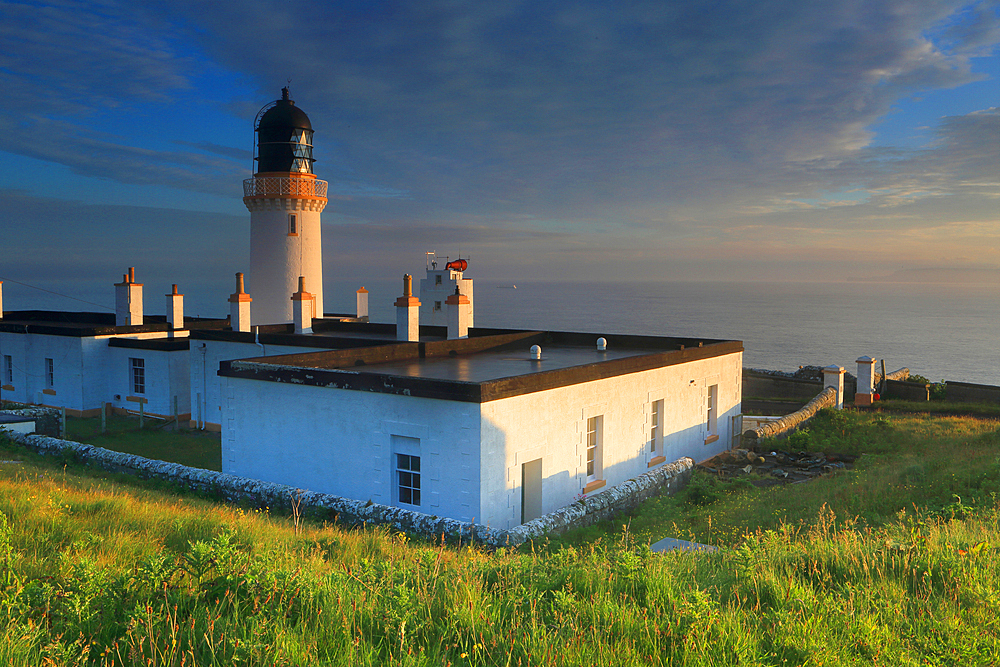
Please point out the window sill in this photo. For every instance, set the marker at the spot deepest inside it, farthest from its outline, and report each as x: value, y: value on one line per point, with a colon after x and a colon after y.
x: 293, y: 233
x: 593, y: 486
x: 49, y: 392
x: 7, y: 387
x: 710, y: 439
x: 655, y: 461
x: 137, y: 399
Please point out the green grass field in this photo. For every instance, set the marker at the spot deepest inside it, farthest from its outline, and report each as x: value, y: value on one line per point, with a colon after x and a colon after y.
x: 199, y: 449
x: 879, y: 566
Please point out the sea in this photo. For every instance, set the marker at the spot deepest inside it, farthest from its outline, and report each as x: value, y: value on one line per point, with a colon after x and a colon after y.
x: 943, y: 331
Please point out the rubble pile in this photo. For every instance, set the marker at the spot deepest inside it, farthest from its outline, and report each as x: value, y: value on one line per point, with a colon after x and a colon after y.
x: 775, y: 467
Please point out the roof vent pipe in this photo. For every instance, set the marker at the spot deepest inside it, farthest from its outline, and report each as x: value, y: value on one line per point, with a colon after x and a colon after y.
x: 536, y: 352
x: 602, y: 344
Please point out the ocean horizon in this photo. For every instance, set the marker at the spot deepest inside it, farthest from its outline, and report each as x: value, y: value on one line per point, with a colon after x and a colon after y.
x: 944, y: 331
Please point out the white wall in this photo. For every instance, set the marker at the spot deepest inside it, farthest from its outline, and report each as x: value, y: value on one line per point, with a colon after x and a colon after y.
x: 431, y: 293
x: 205, y: 356
x: 166, y: 375
x: 551, y: 425
x: 277, y: 259
x: 29, y: 352
x: 339, y: 441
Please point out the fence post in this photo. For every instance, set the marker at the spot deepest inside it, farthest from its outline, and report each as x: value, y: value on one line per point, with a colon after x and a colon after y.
x: 62, y: 423
x: 142, y: 414
x: 866, y: 381
x: 104, y: 417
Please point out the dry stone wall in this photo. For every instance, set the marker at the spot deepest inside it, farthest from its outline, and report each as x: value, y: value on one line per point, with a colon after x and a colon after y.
x: 825, y: 399
x: 669, y: 478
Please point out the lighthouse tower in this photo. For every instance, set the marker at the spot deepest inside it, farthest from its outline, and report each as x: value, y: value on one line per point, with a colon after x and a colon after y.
x: 285, y: 200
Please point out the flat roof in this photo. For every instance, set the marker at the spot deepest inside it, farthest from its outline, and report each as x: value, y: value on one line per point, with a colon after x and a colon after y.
x: 489, y: 365
x: 86, y: 324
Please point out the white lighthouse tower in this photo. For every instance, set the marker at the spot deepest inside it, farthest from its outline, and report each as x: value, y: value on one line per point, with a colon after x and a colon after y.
x: 285, y: 200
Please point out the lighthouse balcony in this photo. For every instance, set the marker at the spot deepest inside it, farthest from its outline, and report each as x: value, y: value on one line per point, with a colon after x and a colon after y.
x: 284, y: 186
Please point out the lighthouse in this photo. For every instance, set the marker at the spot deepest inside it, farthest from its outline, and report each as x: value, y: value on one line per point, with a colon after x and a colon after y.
x: 285, y: 200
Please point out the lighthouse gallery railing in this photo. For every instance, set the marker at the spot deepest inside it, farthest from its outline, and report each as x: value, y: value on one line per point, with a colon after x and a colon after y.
x: 277, y: 186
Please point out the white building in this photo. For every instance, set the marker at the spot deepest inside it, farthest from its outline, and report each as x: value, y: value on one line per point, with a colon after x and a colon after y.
x: 440, y: 283
x: 477, y: 429
x: 429, y: 414
x: 81, y: 361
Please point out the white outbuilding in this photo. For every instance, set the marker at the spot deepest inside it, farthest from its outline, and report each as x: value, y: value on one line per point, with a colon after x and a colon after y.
x: 478, y: 428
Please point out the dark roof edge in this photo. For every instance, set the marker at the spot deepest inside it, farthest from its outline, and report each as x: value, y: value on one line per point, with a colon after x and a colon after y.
x: 270, y: 369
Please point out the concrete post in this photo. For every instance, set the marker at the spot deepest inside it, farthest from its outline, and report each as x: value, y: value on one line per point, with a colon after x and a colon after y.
x: 1, y: 299
x: 458, y: 315
x: 866, y: 381
x: 239, y: 307
x: 302, y: 305
x: 833, y: 376
x: 363, y: 304
x: 408, y: 313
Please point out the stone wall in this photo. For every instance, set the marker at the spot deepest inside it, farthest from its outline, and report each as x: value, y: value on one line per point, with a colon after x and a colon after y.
x: 967, y: 392
x: 907, y: 391
x: 667, y: 478
x: 825, y: 399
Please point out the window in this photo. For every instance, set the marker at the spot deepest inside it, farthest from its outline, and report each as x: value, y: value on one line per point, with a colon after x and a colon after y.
x: 138, y: 375
x: 437, y: 279
x: 408, y: 479
x: 8, y: 369
x: 656, y: 428
x: 437, y: 306
x: 594, y: 448
x: 711, y: 425
x: 50, y: 373
x: 293, y: 228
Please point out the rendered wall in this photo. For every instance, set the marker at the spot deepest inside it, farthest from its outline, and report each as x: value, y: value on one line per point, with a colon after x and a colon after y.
x: 340, y: 442
x: 28, y: 353
x: 166, y: 376
x: 205, y: 355
x: 277, y: 259
x: 551, y: 425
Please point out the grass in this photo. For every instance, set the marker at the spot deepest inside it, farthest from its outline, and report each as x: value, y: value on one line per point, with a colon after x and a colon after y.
x: 936, y: 464
x: 199, y: 449
x: 99, y: 570
x: 940, y: 407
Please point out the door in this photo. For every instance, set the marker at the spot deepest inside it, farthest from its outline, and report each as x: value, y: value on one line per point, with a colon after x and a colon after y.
x: 531, y: 490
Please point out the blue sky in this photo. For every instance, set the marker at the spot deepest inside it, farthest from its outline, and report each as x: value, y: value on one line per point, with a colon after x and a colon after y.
x: 702, y: 140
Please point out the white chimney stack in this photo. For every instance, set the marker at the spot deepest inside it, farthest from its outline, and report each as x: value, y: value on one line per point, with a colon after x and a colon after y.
x: 175, y: 309
x: 128, y: 300
x: 302, y: 308
x: 458, y: 315
x: 1, y: 299
x: 239, y: 307
x: 407, y: 313
x: 363, y: 304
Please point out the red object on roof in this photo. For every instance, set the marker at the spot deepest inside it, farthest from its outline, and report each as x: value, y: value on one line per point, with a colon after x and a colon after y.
x: 458, y: 265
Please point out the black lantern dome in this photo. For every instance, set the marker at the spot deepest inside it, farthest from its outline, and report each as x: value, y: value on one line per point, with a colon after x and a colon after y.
x: 284, y: 138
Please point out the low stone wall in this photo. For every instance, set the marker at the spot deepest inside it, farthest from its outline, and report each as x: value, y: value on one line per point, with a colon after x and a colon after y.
x: 669, y: 478
x: 826, y: 398
x: 907, y: 391
x: 967, y: 392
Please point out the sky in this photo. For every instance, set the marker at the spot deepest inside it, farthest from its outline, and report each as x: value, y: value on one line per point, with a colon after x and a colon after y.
x: 586, y: 140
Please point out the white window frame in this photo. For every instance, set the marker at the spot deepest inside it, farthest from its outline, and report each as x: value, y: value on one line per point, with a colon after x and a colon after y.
x: 8, y: 369
x: 656, y: 428
x: 293, y: 224
x: 712, y: 413
x: 412, y: 473
x: 50, y: 373
x: 137, y: 375
x: 594, y: 448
